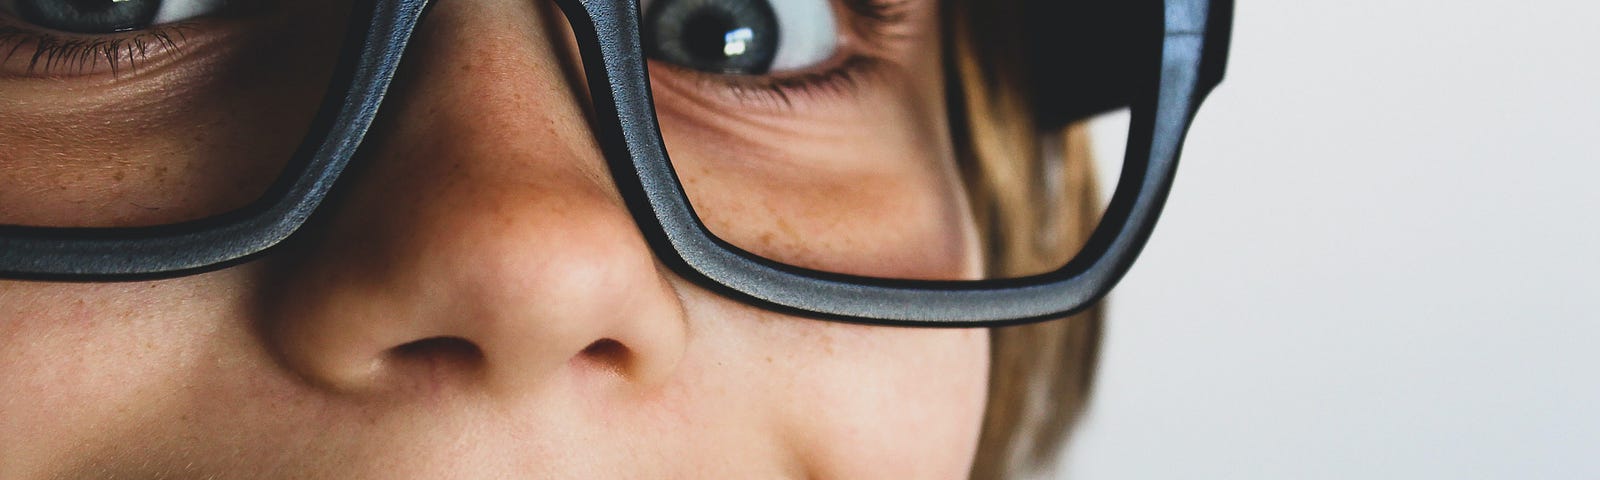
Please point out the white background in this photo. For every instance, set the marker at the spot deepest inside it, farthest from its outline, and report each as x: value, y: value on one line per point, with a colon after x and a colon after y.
x: 1379, y: 260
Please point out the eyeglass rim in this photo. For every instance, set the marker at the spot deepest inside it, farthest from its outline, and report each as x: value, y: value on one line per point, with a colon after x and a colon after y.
x: 1193, y: 50
x: 377, y: 35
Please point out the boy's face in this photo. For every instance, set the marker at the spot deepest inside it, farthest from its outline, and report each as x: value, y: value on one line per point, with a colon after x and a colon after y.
x: 476, y: 301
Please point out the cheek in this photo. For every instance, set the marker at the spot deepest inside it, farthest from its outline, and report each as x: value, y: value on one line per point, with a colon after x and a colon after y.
x: 140, y: 378
x: 199, y: 135
x: 82, y: 364
x: 890, y: 403
x: 840, y: 400
x: 144, y: 167
x: 921, y: 412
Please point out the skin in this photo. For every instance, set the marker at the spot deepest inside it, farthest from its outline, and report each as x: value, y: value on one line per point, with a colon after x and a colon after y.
x: 475, y: 301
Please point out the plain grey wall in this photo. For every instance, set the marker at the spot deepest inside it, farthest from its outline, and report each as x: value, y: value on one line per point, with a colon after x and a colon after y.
x: 1380, y: 259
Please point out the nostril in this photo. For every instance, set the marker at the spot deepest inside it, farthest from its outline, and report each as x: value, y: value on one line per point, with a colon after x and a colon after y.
x: 606, y: 353
x: 438, y: 354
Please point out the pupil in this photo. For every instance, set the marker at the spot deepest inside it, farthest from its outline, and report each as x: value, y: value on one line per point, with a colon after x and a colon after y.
x: 708, y: 36
x: 92, y: 7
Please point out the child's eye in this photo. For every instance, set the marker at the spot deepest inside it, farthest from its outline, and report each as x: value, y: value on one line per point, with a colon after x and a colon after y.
x: 740, y: 37
x: 107, y: 16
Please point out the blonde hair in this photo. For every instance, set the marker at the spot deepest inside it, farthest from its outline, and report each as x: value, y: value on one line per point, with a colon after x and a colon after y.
x: 1033, y: 195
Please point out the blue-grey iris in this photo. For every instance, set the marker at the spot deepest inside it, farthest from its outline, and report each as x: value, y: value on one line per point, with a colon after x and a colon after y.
x: 722, y: 36
x: 89, y: 16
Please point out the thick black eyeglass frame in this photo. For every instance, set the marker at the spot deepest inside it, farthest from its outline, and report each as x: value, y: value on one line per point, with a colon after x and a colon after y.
x: 1193, y: 42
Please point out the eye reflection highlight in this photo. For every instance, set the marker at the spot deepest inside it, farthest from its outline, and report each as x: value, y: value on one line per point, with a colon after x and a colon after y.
x: 735, y: 41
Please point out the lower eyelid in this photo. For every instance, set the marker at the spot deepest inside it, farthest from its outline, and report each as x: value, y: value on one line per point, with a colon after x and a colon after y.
x: 782, y: 92
x: 27, y: 52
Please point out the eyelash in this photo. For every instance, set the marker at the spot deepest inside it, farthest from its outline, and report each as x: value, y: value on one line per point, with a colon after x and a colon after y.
x: 58, y: 54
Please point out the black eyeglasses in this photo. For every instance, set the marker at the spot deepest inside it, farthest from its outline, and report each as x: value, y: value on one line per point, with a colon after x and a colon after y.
x: 1188, y: 40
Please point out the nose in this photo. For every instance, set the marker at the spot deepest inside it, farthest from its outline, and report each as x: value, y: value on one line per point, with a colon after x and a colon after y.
x: 479, y: 239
